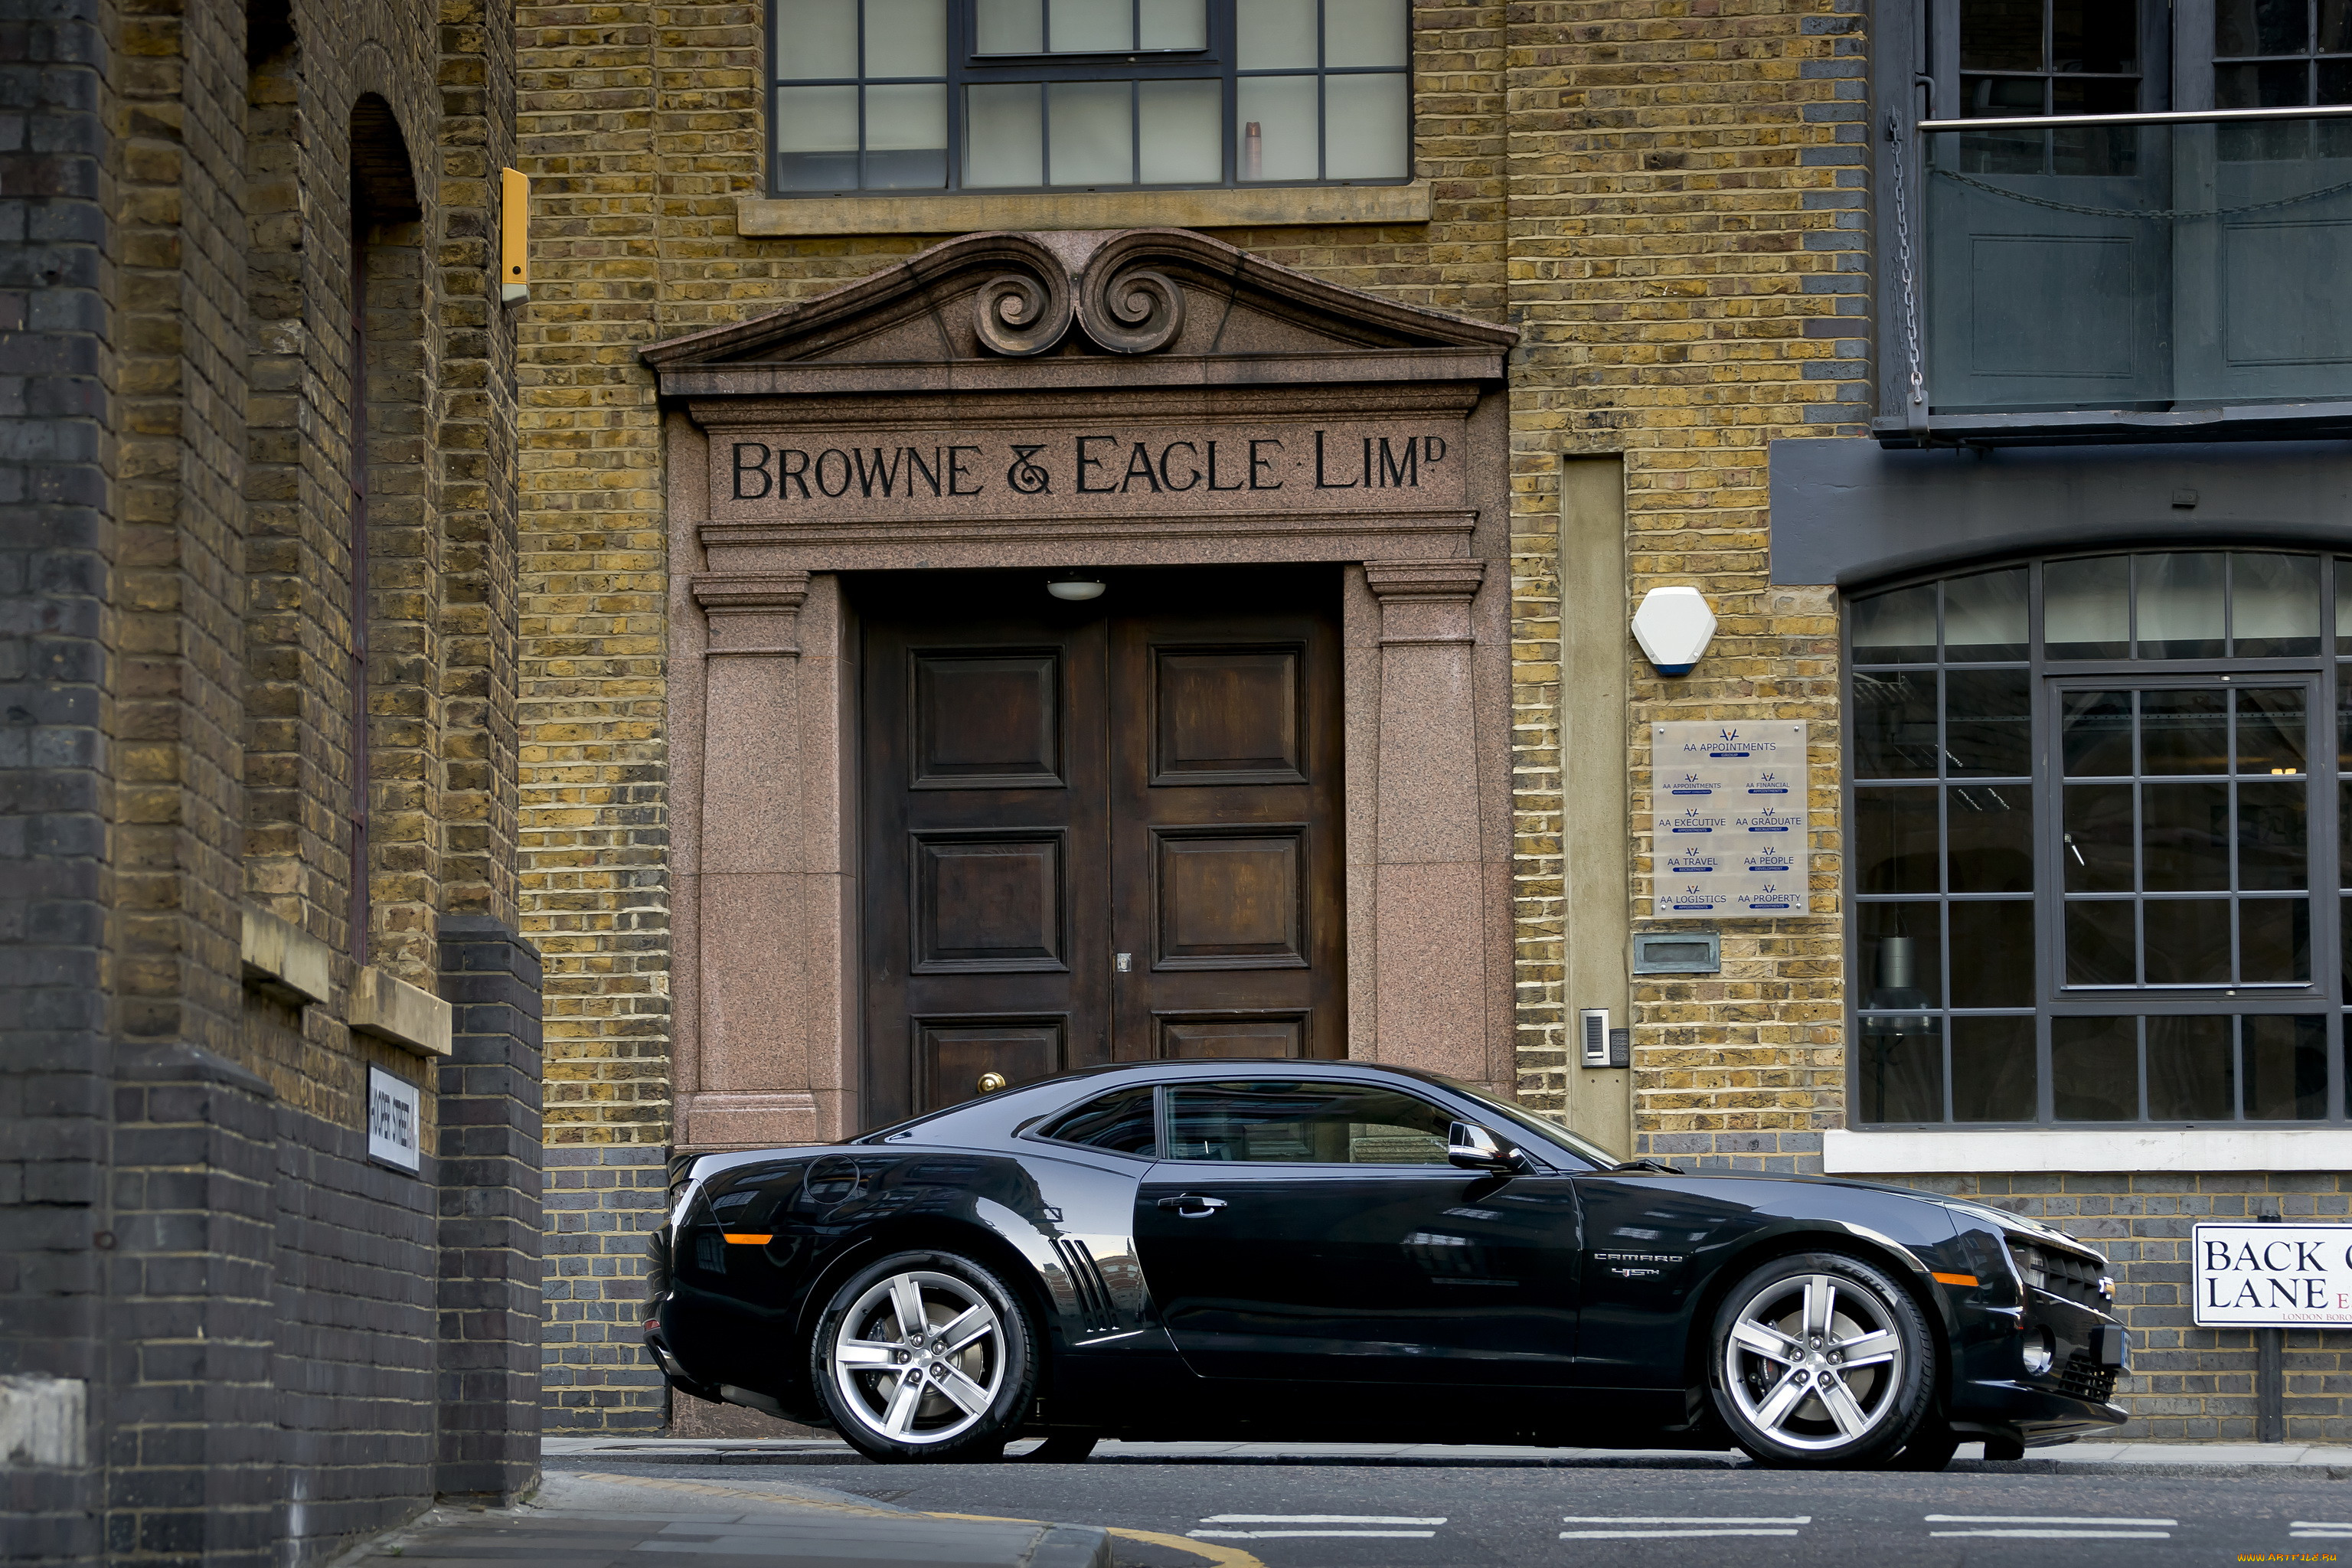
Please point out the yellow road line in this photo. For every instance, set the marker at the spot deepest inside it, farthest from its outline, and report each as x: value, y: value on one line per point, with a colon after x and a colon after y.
x: 1222, y: 1556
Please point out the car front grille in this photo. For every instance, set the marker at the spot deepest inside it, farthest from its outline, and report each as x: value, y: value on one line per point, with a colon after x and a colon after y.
x: 2084, y: 1378
x: 2069, y: 1276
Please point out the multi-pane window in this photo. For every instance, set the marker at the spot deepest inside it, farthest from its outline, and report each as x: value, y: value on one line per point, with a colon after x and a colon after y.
x: 1012, y: 95
x: 2091, y: 816
x: 2048, y: 56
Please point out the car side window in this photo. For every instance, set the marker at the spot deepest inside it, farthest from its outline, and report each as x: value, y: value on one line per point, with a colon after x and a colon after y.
x: 1305, y: 1123
x: 1120, y: 1121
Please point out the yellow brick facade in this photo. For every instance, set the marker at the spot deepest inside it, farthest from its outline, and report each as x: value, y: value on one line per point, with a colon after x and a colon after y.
x: 1663, y: 195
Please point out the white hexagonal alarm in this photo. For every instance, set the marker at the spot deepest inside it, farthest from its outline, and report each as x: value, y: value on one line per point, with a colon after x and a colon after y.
x: 1673, y: 626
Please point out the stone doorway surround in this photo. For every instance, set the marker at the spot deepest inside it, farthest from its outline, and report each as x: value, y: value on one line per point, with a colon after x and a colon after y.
x: 1071, y: 400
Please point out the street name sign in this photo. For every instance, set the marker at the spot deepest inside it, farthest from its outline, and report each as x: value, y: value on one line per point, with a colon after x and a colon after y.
x: 2271, y: 1275
x: 394, y: 1121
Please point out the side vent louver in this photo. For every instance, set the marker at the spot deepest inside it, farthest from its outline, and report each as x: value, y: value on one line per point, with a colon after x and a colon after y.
x: 1095, y: 1309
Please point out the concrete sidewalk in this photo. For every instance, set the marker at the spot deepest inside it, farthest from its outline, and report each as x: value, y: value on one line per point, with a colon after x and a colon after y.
x: 591, y: 1521
x: 2084, y: 1457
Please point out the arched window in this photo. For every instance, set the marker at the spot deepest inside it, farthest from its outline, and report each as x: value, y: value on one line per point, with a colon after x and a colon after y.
x: 2093, y: 828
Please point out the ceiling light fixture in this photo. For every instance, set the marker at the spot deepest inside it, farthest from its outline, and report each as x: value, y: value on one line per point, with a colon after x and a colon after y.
x: 1075, y: 586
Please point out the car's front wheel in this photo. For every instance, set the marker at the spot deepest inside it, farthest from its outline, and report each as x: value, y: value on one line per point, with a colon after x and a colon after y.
x: 924, y: 1355
x: 1820, y: 1361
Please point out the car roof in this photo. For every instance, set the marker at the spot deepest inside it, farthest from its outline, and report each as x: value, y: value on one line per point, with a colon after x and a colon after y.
x: 999, y: 1116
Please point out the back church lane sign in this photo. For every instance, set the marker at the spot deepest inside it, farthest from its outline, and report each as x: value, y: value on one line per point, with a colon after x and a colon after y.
x: 769, y: 476
x: 2271, y: 1275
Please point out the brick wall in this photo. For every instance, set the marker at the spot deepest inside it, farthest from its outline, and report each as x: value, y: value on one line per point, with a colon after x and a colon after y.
x: 57, y: 690
x: 602, y: 1202
x: 269, y: 1357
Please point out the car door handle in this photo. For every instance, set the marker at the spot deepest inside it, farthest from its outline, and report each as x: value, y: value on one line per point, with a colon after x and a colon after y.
x: 1192, y: 1206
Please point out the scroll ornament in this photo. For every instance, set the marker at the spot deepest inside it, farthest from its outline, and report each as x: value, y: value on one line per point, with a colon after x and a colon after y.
x: 1019, y: 314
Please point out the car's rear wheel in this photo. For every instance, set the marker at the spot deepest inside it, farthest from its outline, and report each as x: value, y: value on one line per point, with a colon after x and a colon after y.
x: 924, y: 1355
x: 1820, y: 1361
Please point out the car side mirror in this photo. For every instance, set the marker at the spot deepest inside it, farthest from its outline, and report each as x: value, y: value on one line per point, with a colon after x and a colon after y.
x: 1473, y: 1148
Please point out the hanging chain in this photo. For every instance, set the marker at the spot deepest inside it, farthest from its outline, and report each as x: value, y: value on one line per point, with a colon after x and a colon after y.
x: 2153, y: 214
x: 1903, y: 254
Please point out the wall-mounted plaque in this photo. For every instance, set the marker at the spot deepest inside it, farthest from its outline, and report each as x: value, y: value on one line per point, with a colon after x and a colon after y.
x: 1728, y: 808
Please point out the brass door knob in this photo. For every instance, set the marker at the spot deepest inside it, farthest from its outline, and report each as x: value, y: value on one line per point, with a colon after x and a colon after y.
x: 989, y: 1082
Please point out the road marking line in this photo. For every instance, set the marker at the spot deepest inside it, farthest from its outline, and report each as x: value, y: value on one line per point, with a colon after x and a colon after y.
x: 2319, y: 1534
x: 1318, y: 1519
x: 1685, y: 1519
x: 1218, y: 1556
x: 1296, y: 1534
x: 2062, y: 1534
x: 2043, y: 1519
x: 2319, y: 1524
x: 1658, y: 1534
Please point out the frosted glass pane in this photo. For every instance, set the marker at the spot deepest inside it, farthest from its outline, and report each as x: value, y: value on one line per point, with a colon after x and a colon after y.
x: 2274, y: 605
x: 1364, y: 127
x: 904, y: 116
x: 906, y: 37
x: 1090, y: 131
x: 817, y: 138
x: 1175, y: 24
x: 1012, y: 27
x: 1275, y: 33
x: 1086, y: 26
x: 1003, y: 136
x: 1275, y: 116
x: 1182, y: 125
x: 1364, y: 33
x: 816, y: 119
x: 816, y: 38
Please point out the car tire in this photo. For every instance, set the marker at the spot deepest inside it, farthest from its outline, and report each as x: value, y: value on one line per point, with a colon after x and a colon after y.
x: 1062, y: 1449
x: 925, y: 1356
x: 1820, y: 1361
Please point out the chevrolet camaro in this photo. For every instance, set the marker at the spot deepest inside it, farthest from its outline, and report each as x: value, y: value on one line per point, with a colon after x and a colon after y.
x: 1332, y: 1250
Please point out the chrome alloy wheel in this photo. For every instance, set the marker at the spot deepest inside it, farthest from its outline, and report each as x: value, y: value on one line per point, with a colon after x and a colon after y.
x: 920, y: 1357
x: 1813, y: 1360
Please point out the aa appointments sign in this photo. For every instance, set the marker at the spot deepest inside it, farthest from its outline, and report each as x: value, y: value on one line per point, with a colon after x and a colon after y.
x: 2271, y: 1275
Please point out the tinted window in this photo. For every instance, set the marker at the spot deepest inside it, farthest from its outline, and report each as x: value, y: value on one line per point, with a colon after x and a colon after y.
x: 1316, y: 1123
x: 1120, y: 1121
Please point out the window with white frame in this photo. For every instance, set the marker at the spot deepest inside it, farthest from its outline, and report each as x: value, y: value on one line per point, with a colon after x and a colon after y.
x: 1060, y: 95
x: 2096, y: 828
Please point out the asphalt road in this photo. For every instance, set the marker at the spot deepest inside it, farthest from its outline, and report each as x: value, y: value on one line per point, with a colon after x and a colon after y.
x: 1470, y: 1516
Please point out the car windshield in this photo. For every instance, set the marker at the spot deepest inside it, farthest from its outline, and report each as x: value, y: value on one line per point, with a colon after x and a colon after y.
x: 1527, y: 1121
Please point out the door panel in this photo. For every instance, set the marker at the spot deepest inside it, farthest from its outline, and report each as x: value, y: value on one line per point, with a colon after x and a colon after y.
x: 984, y: 720
x: 1231, y: 903
x: 952, y: 1055
x: 988, y: 903
x: 1237, y: 1034
x: 1047, y: 786
x: 1228, y: 716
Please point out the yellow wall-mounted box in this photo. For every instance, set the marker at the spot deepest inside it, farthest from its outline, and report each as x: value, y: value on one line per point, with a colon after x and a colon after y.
x: 514, y: 236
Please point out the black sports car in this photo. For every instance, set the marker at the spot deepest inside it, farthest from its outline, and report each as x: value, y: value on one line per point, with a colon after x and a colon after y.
x: 1335, y: 1251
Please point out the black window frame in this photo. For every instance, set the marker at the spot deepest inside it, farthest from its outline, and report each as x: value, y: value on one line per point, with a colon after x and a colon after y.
x: 1914, y: 67
x: 2327, y: 994
x: 1217, y: 60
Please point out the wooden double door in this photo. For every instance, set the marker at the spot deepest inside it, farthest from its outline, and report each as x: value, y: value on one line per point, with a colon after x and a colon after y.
x: 1106, y: 831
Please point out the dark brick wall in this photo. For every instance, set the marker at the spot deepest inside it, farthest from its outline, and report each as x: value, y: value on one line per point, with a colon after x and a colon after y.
x: 57, y: 540
x: 491, y: 1213
x: 602, y: 1202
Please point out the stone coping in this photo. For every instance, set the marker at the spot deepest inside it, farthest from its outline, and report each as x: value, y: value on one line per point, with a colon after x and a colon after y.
x: 765, y: 217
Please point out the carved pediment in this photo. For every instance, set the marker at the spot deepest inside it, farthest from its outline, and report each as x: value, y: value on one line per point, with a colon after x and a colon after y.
x: 1086, y: 295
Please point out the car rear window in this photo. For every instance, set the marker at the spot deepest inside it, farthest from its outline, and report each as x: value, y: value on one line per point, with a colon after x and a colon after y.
x: 1120, y: 1121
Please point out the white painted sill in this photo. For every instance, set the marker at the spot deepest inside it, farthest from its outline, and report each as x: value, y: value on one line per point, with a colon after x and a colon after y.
x: 774, y: 217
x: 2124, y: 1150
